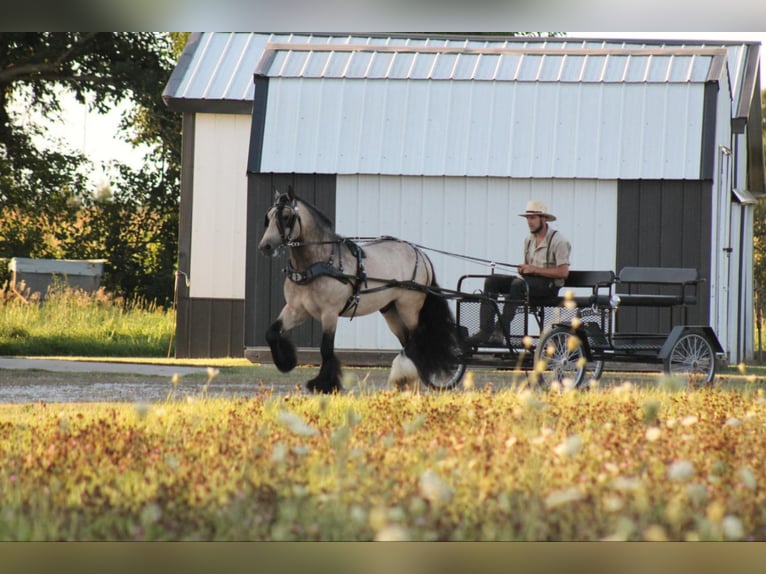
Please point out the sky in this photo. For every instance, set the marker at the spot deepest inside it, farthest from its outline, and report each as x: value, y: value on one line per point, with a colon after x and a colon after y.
x: 96, y: 135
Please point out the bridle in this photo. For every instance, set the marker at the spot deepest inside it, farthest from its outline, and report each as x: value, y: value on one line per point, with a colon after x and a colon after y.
x: 285, y: 226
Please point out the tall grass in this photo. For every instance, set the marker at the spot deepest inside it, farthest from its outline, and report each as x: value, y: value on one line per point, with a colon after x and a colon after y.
x: 611, y: 464
x: 71, y: 322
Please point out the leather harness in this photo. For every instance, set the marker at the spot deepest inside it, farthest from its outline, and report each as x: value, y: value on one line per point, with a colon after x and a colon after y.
x: 328, y: 268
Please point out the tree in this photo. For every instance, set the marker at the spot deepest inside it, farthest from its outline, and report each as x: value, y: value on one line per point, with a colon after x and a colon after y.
x: 46, y: 207
x: 759, y: 248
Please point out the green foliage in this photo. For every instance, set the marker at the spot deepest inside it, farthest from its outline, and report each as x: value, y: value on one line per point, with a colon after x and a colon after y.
x: 71, y: 322
x: 46, y: 207
x: 759, y: 244
x: 389, y: 466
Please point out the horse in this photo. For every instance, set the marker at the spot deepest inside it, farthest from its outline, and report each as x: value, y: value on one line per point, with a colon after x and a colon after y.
x: 331, y: 276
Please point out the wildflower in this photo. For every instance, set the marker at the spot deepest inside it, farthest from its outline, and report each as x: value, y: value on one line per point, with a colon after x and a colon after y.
x: 697, y: 493
x: 295, y: 424
x: 468, y: 381
x: 741, y: 368
x: 142, y: 409
x: 689, y: 421
x: 715, y: 511
x: 732, y: 528
x: 564, y: 496
x: 528, y: 342
x: 655, y: 533
x: 613, y: 503
x: 570, y: 447
x: 433, y: 488
x: 651, y: 411
x: 748, y: 478
x: 653, y: 434
x: 733, y: 422
x: 625, y: 483
x: 393, y: 533
x: 681, y: 471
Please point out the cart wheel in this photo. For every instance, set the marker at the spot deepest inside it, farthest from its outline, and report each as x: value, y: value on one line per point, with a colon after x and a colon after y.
x: 560, y: 356
x: 447, y: 380
x: 691, y: 356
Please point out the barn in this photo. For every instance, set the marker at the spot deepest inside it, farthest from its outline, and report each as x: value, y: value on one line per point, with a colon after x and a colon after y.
x: 649, y: 152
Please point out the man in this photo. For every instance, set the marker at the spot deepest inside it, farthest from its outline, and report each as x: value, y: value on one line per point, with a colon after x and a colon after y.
x: 545, y: 267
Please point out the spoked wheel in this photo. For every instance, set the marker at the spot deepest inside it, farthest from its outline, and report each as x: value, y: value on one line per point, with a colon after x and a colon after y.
x: 559, y: 356
x: 691, y: 356
x: 448, y: 380
x: 597, y: 368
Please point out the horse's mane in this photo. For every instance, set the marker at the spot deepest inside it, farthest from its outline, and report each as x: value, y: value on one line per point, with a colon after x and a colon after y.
x: 323, y: 222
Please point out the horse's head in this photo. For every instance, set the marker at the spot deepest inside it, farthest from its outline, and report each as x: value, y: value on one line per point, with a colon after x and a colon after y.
x: 282, y: 223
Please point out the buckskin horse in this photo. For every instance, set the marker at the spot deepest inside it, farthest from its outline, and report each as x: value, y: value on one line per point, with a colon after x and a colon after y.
x: 331, y: 276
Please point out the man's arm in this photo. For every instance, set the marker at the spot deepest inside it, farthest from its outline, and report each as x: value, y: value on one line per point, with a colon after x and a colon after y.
x: 559, y: 272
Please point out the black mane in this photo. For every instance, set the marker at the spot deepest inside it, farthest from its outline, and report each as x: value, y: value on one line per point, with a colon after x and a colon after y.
x: 323, y: 222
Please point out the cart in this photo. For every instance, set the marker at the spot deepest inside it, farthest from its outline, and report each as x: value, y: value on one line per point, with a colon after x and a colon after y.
x: 568, y: 338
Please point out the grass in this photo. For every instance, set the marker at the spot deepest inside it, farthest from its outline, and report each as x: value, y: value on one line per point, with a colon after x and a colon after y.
x: 618, y: 463
x: 70, y: 322
x: 639, y: 457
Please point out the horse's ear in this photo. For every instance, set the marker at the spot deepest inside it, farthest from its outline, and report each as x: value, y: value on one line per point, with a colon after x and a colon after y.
x: 290, y: 193
x: 276, y: 194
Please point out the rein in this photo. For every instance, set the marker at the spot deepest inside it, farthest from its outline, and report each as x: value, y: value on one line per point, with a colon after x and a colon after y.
x: 327, y: 268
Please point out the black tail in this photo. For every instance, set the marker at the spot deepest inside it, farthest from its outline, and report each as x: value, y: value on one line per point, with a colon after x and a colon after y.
x: 433, y: 346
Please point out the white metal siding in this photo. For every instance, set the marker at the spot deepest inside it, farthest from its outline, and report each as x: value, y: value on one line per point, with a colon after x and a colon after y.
x: 724, y: 287
x: 477, y: 217
x: 477, y: 129
x: 220, y: 206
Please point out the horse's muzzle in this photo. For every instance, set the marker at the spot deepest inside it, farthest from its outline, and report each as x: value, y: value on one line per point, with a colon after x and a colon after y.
x: 268, y: 248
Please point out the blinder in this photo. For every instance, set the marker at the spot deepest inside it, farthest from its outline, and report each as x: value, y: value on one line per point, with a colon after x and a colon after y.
x: 285, y: 223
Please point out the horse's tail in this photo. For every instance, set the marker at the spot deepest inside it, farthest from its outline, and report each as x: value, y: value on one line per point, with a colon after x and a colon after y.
x: 433, y: 346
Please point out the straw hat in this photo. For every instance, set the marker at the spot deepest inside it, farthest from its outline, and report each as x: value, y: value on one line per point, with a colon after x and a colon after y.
x: 538, y: 208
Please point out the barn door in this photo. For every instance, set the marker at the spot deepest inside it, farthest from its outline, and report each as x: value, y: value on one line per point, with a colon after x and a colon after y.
x: 664, y: 224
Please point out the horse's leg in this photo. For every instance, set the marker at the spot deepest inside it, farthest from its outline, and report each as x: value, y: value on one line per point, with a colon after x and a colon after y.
x: 404, y: 373
x: 282, y: 348
x: 328, y: 379
x: 432, y: 344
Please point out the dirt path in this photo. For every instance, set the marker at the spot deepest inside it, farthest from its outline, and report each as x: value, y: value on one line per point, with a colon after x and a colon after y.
x: 51, y: 381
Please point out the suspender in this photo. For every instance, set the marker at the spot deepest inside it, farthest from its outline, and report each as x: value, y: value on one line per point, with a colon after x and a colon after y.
x: 547, y: 249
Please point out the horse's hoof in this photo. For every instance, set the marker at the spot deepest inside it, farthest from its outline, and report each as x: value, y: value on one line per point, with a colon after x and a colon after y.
x: 316, y: 386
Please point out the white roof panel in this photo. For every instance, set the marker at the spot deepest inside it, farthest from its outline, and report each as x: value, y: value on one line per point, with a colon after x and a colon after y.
x: 593, y: 130
x: 219, y: 66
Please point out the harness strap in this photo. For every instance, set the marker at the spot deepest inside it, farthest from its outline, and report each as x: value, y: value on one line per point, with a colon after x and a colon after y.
x: 328, y: 269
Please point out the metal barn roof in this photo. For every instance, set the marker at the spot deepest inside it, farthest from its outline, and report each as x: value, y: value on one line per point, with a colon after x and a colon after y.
x: 215, y: 71
x: 502, y: 64
x: 215, y: 75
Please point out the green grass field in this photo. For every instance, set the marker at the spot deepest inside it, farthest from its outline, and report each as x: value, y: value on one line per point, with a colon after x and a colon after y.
x: 70, y: 322
x: 639, y: 457
x: 618, y: 463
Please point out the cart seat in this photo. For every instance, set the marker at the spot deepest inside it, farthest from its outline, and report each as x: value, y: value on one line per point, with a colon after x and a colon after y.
x: 600, y: 283
x: 680, y: 284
